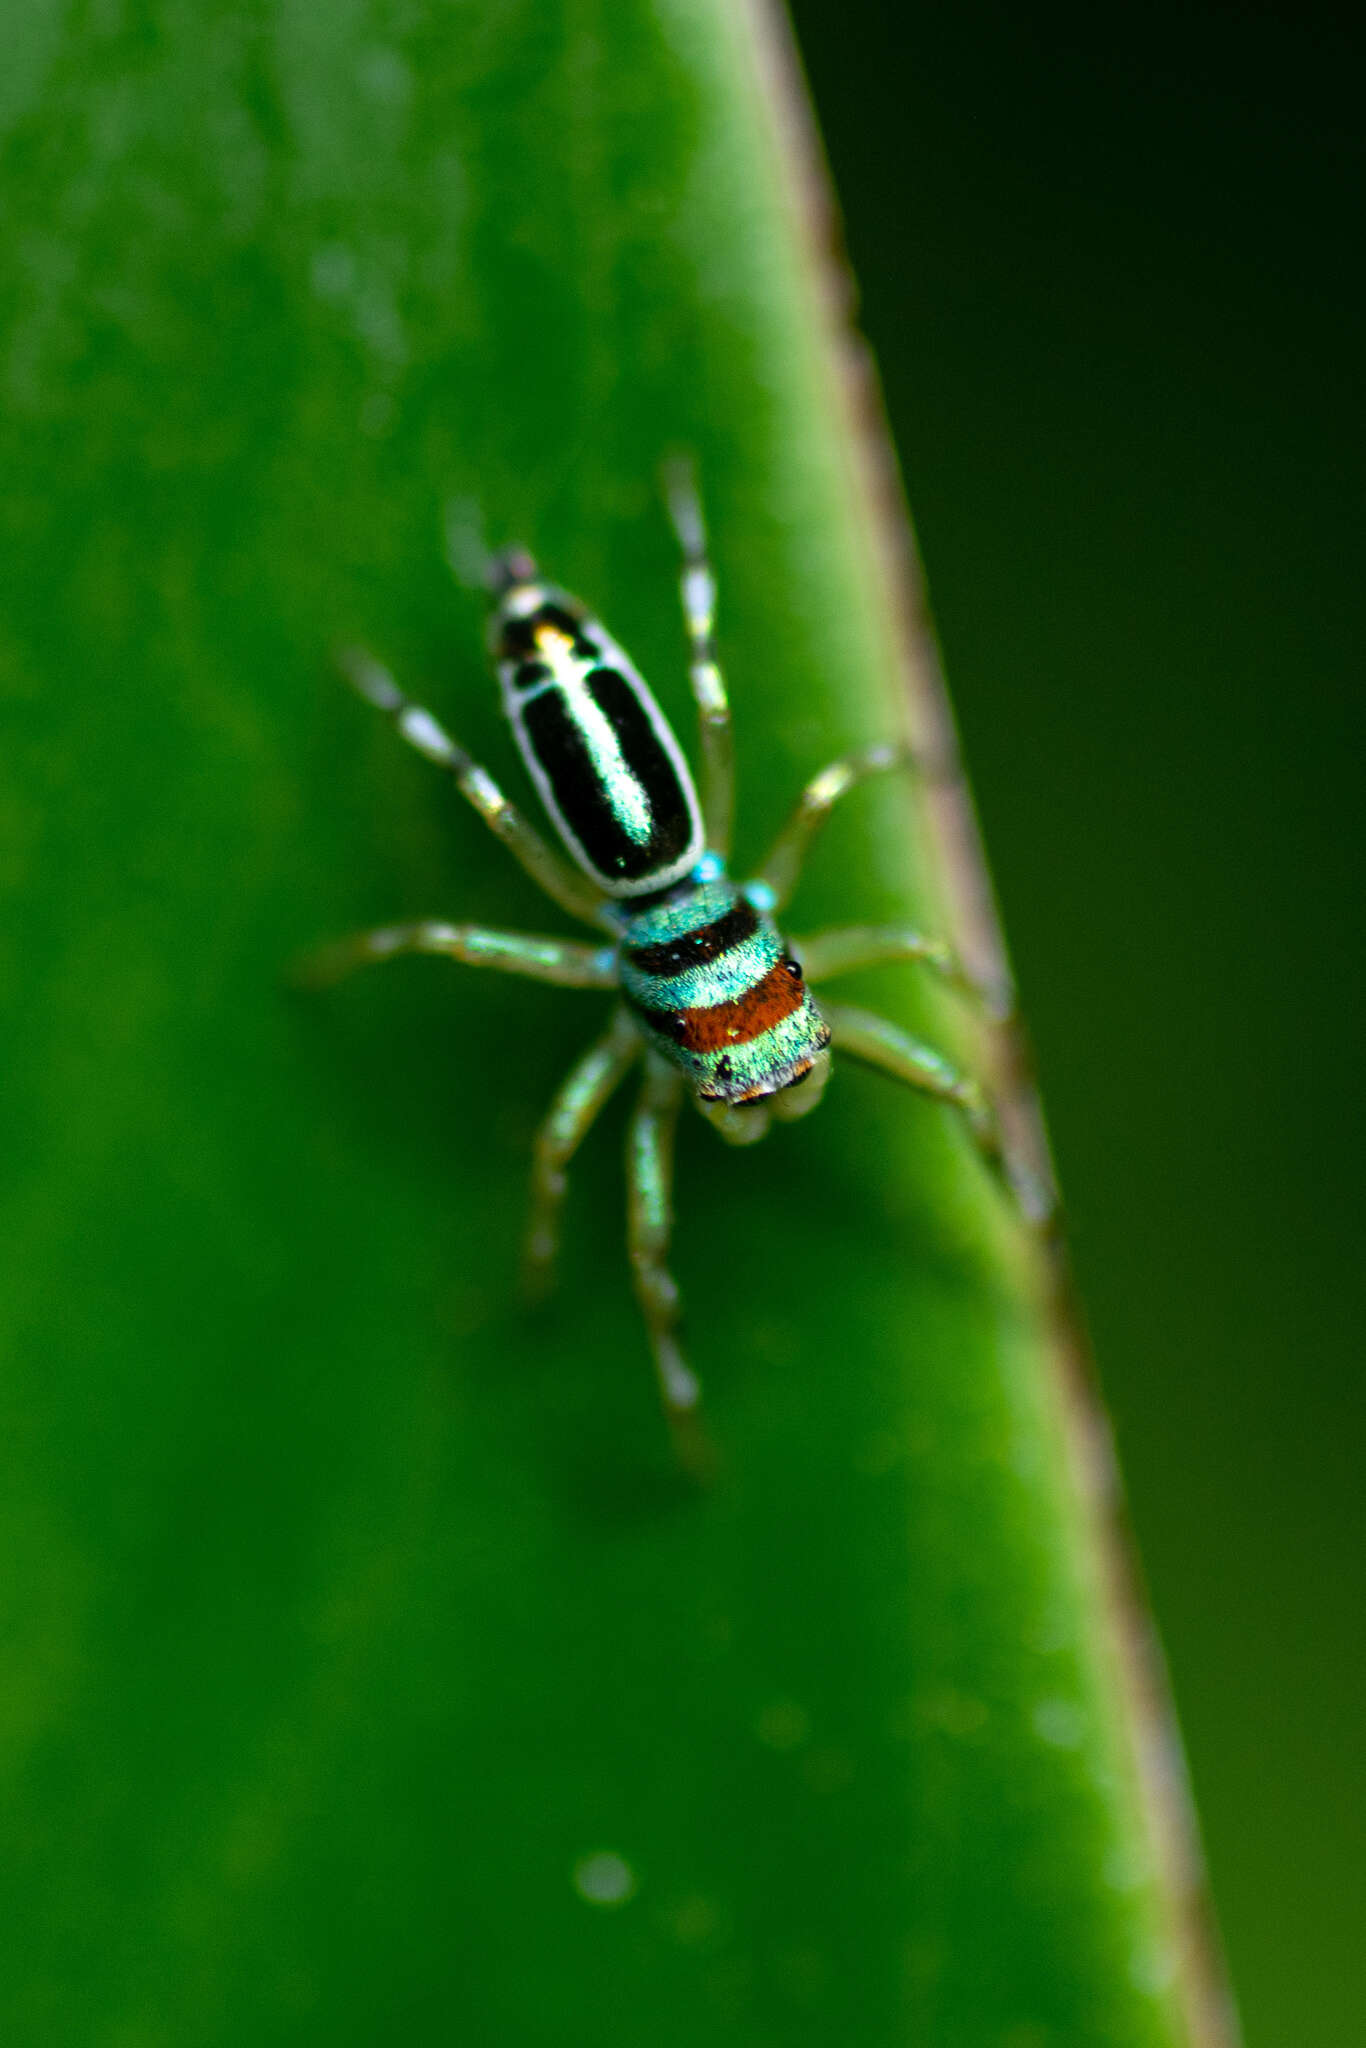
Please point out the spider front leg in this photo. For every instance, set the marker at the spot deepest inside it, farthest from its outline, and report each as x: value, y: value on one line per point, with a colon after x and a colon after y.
x: 573, y: 892
x: 697, y: 588
x: 649, y: 1222
x: 879, y: 1043
x: 588, y: 1086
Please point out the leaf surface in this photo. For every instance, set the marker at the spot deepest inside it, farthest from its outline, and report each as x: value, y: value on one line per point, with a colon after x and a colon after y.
x: 357, y: 1616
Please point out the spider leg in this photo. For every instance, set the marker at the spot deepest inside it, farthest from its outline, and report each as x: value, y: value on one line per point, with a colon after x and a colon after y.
x: 562, y: 961
x: 573, y: 892
x: 581, y: 1095
x: 780, y: 872
x: 649, y: 1221
x: 697, y: 587
x: 842, y: 951
x: 879, y: 1043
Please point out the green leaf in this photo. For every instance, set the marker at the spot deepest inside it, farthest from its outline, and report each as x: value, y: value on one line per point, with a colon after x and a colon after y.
x: 374, y: 1672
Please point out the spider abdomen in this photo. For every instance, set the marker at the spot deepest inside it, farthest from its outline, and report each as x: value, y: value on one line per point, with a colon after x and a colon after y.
x: 602, y: 755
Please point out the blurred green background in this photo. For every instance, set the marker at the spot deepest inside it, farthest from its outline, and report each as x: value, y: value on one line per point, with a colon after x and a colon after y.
x: 1110, y: 261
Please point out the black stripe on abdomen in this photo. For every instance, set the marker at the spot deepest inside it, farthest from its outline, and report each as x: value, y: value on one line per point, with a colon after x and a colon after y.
x: 586, y: 799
